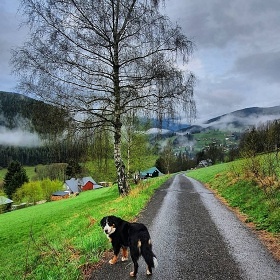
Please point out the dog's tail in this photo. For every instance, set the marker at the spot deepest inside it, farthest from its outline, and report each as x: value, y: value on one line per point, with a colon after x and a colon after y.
x: 148, y: 255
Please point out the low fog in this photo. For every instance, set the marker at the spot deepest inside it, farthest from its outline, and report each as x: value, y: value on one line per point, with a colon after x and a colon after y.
x: 231, y: 122
x: 18, y: 137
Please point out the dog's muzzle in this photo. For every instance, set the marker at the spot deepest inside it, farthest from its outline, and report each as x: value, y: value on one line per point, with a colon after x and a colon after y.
x: 109, y: 229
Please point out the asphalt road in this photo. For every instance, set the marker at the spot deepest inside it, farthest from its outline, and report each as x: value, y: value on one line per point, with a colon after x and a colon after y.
x: 196, y: 237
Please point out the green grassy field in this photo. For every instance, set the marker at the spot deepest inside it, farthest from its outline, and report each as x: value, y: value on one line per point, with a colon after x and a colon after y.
x: 59, y: 240
x: 261, y: 207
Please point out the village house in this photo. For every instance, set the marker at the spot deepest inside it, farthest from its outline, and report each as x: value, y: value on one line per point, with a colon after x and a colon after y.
x: 74, y: 187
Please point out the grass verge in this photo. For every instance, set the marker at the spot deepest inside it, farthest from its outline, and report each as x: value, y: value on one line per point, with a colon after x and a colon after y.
x: 58, y: 240
x: 254, y: 206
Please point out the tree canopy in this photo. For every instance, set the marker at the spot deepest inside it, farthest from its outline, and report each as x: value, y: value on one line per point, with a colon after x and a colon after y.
x: 104, y: 59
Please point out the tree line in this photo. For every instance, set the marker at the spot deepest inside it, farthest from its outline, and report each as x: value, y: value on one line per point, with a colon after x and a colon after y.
x: 261, y: 139
x: 32, y: 156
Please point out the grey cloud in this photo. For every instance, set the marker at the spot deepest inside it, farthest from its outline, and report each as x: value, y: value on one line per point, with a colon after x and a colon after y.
x: 265, y: 6
x: 237, y: 54
x: 219, y: 23
x: 265, y: 66
x: 11, y: 36
x: 232, y: 93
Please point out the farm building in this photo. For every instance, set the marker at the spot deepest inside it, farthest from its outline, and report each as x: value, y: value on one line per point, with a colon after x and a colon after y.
x: 5, y: 204
x: 205, y: 163
x: 82, y: 184
x: 60, y: 195
x: 152, y: 172
x: 4, y: 200
x: 74, y: 187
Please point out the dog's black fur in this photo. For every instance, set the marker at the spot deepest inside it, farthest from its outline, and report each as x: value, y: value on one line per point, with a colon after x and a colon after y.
x: 123, y: 234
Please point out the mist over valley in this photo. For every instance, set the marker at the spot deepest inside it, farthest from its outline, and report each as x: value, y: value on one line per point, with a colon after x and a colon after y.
x: 24, y: 121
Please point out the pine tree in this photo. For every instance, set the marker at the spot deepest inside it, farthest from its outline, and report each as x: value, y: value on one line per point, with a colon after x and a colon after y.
x: 73, y: 169
x: 14, y: 178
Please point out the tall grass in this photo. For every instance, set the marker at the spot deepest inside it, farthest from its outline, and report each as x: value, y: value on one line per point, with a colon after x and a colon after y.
x: 57, y: 240
x: 244, y: 192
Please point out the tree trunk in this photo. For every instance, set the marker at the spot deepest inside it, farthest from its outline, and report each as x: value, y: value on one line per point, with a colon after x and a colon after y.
x: 122, y: 182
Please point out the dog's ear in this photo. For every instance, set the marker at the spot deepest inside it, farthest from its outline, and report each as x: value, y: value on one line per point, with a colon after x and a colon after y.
x: 103, y: 221
x: 116, y: 221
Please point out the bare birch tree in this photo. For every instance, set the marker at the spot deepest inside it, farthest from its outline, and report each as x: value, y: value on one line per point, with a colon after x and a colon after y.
x: 101, y: 59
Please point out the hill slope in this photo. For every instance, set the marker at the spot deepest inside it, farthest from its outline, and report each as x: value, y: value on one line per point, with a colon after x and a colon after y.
x: 24, y: 117
x: 242, y: 119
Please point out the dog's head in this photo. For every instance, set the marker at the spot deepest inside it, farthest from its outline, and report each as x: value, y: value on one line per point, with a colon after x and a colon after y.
x: 109, y: 224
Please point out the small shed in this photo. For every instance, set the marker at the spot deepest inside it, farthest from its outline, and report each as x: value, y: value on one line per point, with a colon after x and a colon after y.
x: 60, y: 195
x: 205, y: 163
x: 89, y: 184
x: 150, y: 173
x: 4, y: 200
x: 5, y: 204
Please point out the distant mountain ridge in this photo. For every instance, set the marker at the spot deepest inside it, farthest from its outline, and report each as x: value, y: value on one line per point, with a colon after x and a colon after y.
x: 239, y: 120
x: 256, y: 112
x: 245, y: 118
x: 19, y: 111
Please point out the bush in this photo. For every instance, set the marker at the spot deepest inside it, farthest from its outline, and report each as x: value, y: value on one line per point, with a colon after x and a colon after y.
x: 35, y: 191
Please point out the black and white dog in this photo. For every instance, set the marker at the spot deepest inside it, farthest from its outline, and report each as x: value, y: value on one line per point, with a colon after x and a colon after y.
x: 122, y: 235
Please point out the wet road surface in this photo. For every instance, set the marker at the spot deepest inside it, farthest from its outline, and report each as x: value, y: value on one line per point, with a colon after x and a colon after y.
x: 195, y: 237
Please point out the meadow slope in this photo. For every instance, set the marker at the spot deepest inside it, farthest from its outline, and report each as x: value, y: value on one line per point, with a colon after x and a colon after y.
x: 63, y: 239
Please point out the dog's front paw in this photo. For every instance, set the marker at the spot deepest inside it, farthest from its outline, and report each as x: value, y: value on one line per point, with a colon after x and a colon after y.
x: 113, y: 260
x: 132, y: 274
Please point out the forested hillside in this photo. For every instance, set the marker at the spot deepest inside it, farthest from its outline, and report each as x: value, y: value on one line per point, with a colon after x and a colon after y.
x: 17, y: 110
x: 32, y: 156
x: 21, y: 113
x: 61, y: 142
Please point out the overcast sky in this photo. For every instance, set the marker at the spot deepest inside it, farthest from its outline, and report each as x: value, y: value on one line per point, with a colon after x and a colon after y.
x: 237, y: 55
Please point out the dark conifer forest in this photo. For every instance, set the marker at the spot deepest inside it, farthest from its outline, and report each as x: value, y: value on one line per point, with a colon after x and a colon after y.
x: 46, y: 121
